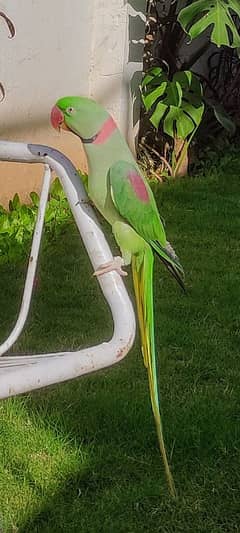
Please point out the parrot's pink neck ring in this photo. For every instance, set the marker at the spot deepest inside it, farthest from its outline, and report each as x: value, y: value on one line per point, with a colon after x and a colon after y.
x: 103, y: 135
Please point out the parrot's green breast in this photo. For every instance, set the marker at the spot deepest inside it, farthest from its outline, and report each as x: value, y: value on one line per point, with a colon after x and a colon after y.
x: 101, y: 158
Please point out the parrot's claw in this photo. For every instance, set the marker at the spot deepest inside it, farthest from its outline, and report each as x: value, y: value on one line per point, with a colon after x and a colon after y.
x: 116, y: 264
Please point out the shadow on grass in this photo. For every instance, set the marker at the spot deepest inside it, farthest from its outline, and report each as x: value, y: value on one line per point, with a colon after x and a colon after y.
x: 123, y: 487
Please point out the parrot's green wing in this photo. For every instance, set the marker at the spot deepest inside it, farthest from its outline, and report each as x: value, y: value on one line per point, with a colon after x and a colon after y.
x: 135, y: 202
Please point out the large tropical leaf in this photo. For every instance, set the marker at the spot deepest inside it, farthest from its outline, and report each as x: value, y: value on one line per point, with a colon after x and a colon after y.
x: 177, y: 103
x: 218, y: 14
x: 222, y: 116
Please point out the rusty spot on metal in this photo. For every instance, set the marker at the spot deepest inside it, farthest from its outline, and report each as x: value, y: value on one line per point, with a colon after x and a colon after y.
x: 124, y: 350
x: 120, y: 353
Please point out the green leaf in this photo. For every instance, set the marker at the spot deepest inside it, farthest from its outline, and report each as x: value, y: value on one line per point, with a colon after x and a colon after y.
x: 224, y: 119
x: 157, y: 115
x: 4, y: 223
x: 19, y: 235
x: 152, y: 96
x: 151, y: 74
x: 177, y: 103
x: 56, y: 190
x: 84, y: 178
x: 216, y: 14
x: 35, y: 198
x: 50, y: 215
x: 14, y: 204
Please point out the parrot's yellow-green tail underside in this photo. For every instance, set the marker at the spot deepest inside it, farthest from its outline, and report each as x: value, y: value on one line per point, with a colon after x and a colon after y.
x: 142, y: 269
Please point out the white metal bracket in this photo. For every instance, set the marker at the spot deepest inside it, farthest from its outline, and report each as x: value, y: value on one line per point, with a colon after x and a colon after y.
x: 20, y: 373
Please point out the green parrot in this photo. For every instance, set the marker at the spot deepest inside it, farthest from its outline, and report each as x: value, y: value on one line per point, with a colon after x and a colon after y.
x: 120, y: 192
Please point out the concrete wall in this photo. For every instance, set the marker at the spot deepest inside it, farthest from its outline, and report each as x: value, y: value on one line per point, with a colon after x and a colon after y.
x: 62, y: 48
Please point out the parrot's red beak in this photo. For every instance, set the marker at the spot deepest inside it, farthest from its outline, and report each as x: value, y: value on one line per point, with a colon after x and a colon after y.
x: 57, y: 118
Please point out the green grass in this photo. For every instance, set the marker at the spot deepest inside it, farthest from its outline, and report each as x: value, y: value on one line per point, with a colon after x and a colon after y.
x: 83, y: 456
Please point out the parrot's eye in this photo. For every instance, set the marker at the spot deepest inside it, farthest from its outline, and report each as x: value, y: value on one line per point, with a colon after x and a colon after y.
x: 70, y: 110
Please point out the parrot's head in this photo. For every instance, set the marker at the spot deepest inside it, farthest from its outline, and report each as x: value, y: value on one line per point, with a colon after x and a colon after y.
x: 81, y: 115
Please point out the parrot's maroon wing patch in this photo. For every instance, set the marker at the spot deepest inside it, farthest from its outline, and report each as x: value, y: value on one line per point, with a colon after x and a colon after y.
x: 139, y: 186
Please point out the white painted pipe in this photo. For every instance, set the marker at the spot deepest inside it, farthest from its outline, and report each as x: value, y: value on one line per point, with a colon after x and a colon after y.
x: 19, y: 374
x: 32, y: 265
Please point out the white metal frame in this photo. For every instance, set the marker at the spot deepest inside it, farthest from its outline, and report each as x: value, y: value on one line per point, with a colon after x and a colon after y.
x: 20, y: 373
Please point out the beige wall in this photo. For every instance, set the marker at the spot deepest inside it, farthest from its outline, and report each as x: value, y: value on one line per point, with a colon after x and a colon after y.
x: 48, y: 58
x: 61, y: 47
x: 24, y: 178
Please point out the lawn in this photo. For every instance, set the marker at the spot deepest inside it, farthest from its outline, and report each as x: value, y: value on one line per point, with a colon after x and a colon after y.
x: 83, y: 456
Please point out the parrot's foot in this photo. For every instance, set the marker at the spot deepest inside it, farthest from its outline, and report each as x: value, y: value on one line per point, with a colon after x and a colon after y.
x: 87, y: 201
x: 116, y: 265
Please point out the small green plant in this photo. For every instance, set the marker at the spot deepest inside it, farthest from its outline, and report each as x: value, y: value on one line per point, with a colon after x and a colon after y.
x: 58, y: 211
x: 178, y: 104
x: 17, y: 224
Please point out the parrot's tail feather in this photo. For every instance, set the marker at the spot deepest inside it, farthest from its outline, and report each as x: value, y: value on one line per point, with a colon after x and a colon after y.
x: 142, y: 267
x: 171, y: 261
x: 174, y: 273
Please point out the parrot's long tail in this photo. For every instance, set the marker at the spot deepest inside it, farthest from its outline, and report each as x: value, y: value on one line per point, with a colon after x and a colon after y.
x: 170, y: 260
x: 142, y: 268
